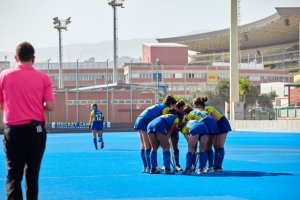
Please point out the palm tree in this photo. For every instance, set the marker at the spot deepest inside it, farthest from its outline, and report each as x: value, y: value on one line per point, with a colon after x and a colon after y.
x: 245, y: 87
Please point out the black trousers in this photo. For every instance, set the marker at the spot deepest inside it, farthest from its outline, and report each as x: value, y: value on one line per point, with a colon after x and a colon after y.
x: 24, y: 147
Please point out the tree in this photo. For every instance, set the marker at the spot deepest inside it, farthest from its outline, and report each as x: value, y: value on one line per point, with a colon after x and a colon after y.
x: 245, y: 87
x: 221, y: 93
x: 251, y: 97
x: 264, y: 101
x: 272, y: 95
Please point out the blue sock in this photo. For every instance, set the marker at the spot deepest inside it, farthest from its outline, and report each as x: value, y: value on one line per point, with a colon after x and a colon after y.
x: 203, y: 159
x: 143, y: 157
x: 210, y: 157
x: 189, y: 158
x: 153, y: 159
x: 147, y: 156
x: 95, y: 143
x: 219, y: 157
x: 166, y: 158
x: 194, y: 159
x: 176, y: 155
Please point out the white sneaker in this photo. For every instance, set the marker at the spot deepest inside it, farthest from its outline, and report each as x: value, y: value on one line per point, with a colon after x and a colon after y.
x: 159, y: 169
x: 179, y: 169
x: 201, y: 171
x: 193, y: 168
x: 187, y: 172
x: 145, y: 170
x: 210, y: 170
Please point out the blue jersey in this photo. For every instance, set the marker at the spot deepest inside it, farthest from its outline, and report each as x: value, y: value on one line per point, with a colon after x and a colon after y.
x: 155, y: 111
x: 170, y: 119
x: 97, y: 119
x: 162, y: 124
x: 211, y: 109
x: 197, y: 114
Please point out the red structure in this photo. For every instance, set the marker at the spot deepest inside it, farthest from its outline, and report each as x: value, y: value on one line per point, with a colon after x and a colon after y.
x: 166, y: 53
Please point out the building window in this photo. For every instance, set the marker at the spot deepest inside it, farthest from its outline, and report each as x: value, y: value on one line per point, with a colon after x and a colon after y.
x: 191, y: 75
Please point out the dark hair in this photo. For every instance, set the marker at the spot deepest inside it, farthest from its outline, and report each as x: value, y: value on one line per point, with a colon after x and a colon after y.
x: 187, y: 110
x: 199, y: 101
x: 205, y: 98
x: 173, y: 111
x: 95, y: 105
x: 169, y: 100
x: 25, y: 52
x: 179, y: 104
x: 181, y: 125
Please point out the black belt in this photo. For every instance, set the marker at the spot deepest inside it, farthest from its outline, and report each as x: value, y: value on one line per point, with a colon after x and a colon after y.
x: 31, y: 124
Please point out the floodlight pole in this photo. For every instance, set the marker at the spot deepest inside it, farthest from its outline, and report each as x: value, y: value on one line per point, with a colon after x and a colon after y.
x: 234, y: 73
x: 48, y: 67
x: 60, y: 71
x: 157, y: 81
x: 77, y: 92
x: 114, y: 4
x: 131, y: 100
x: 283, y: 59
x: 106, y: 82
x: 60, y: 25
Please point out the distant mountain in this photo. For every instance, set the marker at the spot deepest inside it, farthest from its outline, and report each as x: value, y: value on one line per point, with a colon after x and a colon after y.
x: 100, y: 51
x: 195, y: 32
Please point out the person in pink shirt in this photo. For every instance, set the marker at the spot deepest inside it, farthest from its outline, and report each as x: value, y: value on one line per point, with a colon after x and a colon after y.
x: 25, y: 95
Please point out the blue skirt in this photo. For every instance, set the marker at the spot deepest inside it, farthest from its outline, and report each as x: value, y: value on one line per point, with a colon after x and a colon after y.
x: 212, y: 126
x: 141, y: 124
x: 199, y: 129
x: 224, y: 125
x: 157, y: 126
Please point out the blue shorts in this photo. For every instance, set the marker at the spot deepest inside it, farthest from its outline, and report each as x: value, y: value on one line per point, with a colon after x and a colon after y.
x: 212, y: 126
x: 157, y: 126
x: 224, y: 125
x: 199, y: 129
x: 98, y: 126
x: 141, y: 124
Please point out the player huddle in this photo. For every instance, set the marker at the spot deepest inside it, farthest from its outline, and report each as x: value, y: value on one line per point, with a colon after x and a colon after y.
x: 160, y: 124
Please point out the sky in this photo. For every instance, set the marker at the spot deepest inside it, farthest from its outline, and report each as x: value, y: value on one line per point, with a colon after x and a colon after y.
x: 92, y: 20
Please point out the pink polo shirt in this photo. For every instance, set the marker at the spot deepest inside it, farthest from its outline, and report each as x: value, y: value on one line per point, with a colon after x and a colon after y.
x: 23, y: 91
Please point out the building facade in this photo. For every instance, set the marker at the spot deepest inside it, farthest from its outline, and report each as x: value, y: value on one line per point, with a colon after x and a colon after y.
x: 86, y: 83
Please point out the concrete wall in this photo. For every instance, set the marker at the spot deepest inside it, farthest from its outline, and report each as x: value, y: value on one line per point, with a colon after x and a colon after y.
x: 266, y: 125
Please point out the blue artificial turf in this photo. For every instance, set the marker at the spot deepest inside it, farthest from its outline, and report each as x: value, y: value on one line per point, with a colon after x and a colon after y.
x: 258, y: 165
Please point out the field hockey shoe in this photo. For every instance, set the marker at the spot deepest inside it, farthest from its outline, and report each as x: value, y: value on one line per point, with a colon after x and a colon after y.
x: 154, y: 171
x: 187, y: 172
x: 145, y: 170
x: 169, y: 172
x: 102, y: 145
x: 178, y: 168
x: 193, y: 168
x: 201, y: 171
x: 210, y: 170
x: 218, y: 169
x: 159, y: 169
